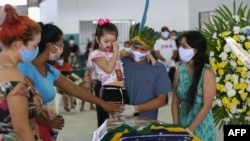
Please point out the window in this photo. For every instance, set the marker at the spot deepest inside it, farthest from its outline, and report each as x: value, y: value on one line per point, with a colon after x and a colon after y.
x: 87, y: 28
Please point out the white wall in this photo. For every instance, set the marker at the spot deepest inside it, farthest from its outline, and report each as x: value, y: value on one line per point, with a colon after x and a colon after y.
x: 197, y: 6
x: 49, y: 11
x: 176, y: 14
x: 160, y: 12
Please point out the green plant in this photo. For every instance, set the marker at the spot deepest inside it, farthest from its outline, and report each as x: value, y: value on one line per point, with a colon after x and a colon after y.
x: 232, y: 102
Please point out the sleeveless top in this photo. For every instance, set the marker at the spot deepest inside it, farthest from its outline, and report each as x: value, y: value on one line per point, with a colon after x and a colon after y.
x: 17, y: 88
x: 206, y: 129
x: 104, y: 77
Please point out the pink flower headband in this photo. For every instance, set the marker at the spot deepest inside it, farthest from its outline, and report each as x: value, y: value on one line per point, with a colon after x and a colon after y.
x: 102, y: 22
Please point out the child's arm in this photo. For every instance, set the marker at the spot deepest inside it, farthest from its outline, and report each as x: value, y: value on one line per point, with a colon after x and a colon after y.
x: 108, y: 65
x: 151, y: 59
x: 124, y: 53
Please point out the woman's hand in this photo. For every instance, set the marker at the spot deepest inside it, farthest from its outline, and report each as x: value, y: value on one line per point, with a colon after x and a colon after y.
x: 151, y: 59
x: 112, y: 106
x: 57, y: 123
x: 48, y: 113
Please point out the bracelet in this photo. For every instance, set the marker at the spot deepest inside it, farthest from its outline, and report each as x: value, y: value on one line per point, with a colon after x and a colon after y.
x: 187, y: 129
x: 136, y: 108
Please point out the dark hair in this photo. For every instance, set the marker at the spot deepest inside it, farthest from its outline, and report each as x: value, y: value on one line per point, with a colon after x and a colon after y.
x: 109, y: 28
x: 88, y: 46
x: 196, y: 40
x: 164, y: 28
x: 50, y: 34
x: 17, y: 27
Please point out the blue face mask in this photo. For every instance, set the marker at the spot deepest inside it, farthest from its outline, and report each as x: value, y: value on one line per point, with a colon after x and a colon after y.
x: 29, y: 55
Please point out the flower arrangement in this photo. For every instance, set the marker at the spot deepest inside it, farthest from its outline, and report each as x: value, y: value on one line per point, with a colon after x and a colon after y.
x: 232, y: 102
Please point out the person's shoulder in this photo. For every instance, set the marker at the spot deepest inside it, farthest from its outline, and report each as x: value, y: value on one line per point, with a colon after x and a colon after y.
x: 125, y: 59
x: 26, y: 66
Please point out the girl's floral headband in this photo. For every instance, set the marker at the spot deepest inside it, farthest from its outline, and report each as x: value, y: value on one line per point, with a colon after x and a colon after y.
x: 102, y: 22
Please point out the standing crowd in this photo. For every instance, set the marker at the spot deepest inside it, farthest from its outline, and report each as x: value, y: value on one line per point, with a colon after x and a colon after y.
x: 134, y: 80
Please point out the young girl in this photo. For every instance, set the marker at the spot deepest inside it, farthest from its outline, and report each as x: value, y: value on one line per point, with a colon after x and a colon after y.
x: 108, y: 66
x: 105, y: 58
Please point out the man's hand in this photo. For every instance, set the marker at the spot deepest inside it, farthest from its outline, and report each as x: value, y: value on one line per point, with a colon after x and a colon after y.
x: 129, y: 110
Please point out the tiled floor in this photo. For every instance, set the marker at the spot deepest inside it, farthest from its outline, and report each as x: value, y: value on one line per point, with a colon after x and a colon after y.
x: 79, y: 126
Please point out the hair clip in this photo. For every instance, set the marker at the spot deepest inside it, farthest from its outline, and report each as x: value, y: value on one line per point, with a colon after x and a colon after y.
x: 103, y: 21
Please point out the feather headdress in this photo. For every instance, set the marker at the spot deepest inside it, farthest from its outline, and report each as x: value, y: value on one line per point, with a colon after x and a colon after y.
x: 144, y: 35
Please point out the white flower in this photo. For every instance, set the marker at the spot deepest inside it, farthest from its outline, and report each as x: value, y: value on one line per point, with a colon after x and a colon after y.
x: 228, y: 86
x: 247, y: 118
x: 231, y: 93
x: 248, y: 37
x: 238, y: 111
x: 241, y: 91
x: 226, y: 120
x: 236, y: 78
x: 223, y: 56
x: 217, y: 79
x: 236, y: 18
x: 236, y: 29
x: 244, y: 19
x: 242, y: 38
x: 233, y: 64
x: 233, y: 110
x: 248, y: 88
x: 217, y: 102
x: 226, y: 48
x: 211, y: 54
x: 215, y: 35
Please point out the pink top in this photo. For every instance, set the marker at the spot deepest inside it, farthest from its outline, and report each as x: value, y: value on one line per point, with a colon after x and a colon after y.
x: 103, y: 76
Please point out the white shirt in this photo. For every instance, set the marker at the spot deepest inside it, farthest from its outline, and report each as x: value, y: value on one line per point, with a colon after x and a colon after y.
x: 166, y: 49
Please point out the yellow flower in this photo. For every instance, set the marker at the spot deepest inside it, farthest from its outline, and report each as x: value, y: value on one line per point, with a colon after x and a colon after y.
x: 248, y: 100
x: 218, y: 45
x: 221, y: 72
x: 242, y: 85
x: 223, y: 34
x: 244, y: 108
x: 220, y: 87
x: 239, y: 62
x: 236, y: 38
x: 232, y: 55
x: 248, y: 113
x: 243, y: 74
x: 247, y: 45
x: 235, y: 101
x: 213, y: 64
x: 243, y: 96
x: 222, y: 64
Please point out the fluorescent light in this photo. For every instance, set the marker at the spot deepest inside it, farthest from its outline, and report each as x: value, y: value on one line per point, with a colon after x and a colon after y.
x: 13, y: 2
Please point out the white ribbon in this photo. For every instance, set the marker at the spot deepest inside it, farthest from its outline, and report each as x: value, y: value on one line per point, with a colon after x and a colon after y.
x: 239, y: 52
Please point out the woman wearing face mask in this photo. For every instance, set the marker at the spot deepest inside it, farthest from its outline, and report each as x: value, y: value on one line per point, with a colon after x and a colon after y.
x: 45, y: 77
x: 19, y: 103
x: 194, y: 88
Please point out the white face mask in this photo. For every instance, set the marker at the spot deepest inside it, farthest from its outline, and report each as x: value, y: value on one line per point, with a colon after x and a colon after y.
x: 128, y: 49
x: 186, y: 54
x: 138, y: 56
x: 60, y: 62
x: 71, y: 42
x: 173, y: 37
x: 165, y: 34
